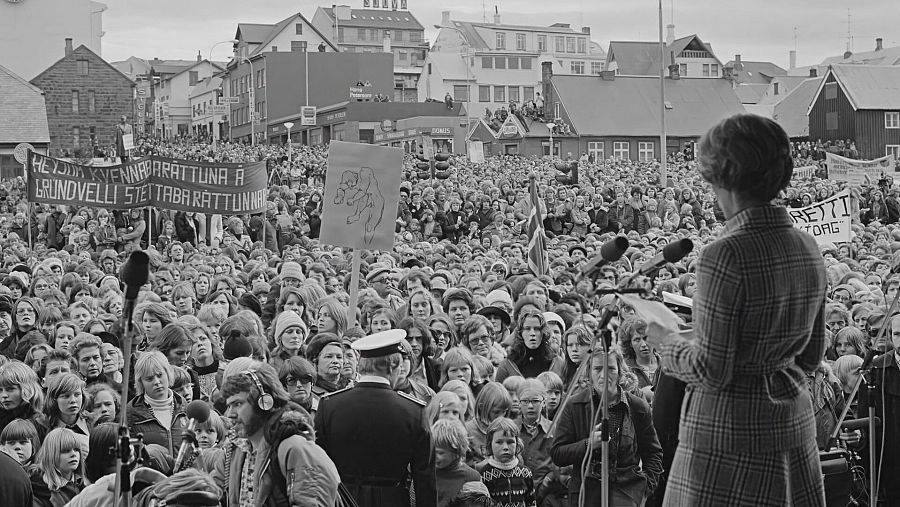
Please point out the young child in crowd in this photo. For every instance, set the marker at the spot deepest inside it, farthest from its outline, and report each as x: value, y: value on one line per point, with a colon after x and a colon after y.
x: 57, y: 469
x: 444, y: 405
x: 493, y: 401
x: 448, y: 436
x: 167, y: 236
x: 183, y: 384
x: 512, y: 385
x: 19, y: 439
x: 555, y: 391
x: 509, y: 482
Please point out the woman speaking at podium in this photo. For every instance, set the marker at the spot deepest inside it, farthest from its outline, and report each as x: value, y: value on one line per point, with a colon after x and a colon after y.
x: 747, y: 435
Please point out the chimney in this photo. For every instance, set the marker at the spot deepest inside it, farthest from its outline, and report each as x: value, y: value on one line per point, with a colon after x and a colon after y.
x: 496, y: 15
x: 608, y: 75
x: 813, y: 72
x: 547, y: 87
x: 199, y: 58
x: 342, y: 12
x: 879, y: 44
x: 69, y: 46
x: 674, y: 71
x: 586, y: 30
x: 793, y: 59
x: 738, y: 66
x: 670, y: 34
x: 386, y: 42
x: 445, y: 18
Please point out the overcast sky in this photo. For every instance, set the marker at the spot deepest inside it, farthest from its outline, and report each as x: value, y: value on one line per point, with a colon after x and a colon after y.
x: 757, y: 30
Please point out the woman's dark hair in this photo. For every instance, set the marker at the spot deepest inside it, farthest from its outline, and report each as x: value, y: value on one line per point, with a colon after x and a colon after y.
x: 232, y: 302
x: 749, y: 154
x: 171, y: 337
x: 101, y: 451
x: 518, y: 350
x: 427, y: 342
x: 628, y: 329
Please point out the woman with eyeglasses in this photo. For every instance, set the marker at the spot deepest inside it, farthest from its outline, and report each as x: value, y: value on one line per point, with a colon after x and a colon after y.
x: 298, y: 375
x: 442, y: 330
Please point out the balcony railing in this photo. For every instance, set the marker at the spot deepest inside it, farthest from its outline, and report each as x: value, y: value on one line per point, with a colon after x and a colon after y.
x: 695, y: 54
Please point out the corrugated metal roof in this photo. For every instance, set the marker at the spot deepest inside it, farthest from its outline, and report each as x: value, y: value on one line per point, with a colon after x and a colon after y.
x: 870, y: 86
x: 629, y: 105
x: 791, y: 111
x: 636, y: 58
x: 206, y: 85
x: 277, y: 28
x: 750, y: 93
x: 23, y: 112
x: 378, y: 18
x: 757, y: 72
x: 887, y: 56
x: 786, y: 85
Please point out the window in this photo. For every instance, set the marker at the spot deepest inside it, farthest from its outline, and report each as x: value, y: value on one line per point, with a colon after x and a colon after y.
x: 520, y: 41
x: 404, y: 55
x: 415, y: 37
x: 831, y: 90
x: 484, y: 94
x: 582, y: 45
x: 621, y: 149
x: 487, y: 62
x: 559, y: 44
x: 596, y: 67
x: 361, y: 34
x: 76, y: 137
x: 298, y: 29
x: 83, y: 66
x: 892, y: 119
x: 892, y: 149
x: 74, y: 101
x: 596, y: 148
x: 546, y: 148
x: 340, y: 34
x: 500, y: 62
x: 193, y: 77
x: 831, y: 121
x: 705, y: 70
x: 682, y: 69
x: 714, y: 70
x: 398, y: 35
x: 525, y: 63
x: 542, y: 43
x: 556, y: 110
x: 529, y: 93
x: 460, y: 93
x: 92, y: 104
x: 501, y: 40
x: 298, y: 45
x: 93, y: 133
x: 274, y: 49
x: 570, y: 44
x: 646, y: 151
x: 513, y: 63
x: 514, y: 94
x: 373, y: 34
x: 775, y: 86
x: 577, y: 67
x: 499, y: 94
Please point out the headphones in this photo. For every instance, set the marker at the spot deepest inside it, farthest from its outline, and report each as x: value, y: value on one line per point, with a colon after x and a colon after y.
x: 265, y: 401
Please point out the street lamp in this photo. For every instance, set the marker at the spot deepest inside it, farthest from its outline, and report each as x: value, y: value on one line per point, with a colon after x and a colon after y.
x: 469, y: 76
x: 252, y: 103
x: 230, y: 41
x: 288, y: 126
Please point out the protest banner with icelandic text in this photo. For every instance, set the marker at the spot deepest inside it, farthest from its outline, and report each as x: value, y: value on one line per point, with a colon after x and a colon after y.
x: 828, y: 221
x: 858, y: 172
x: 166, y: 183
x: 805, y: 172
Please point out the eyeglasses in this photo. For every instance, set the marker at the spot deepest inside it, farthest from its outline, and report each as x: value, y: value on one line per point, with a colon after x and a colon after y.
x: 293, y: 381
x: 437, y: 333
x: 480, y: 339
x: 536, y: 401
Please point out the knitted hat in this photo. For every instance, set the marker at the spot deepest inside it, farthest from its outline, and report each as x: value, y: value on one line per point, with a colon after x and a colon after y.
x: 498, y: 296
x: 288, y: 319
x: 293, y: 270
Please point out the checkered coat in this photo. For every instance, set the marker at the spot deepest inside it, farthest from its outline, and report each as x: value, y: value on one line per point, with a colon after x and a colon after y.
x: 759, y: 326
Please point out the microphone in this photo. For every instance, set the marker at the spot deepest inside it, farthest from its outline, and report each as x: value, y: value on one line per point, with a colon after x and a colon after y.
x: 673, y: 252
x: 611, y: 251
x: 134, y: 275
x: 197, y: 411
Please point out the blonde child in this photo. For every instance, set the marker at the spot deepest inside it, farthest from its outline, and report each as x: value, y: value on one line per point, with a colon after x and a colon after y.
x: 444, y: 405
x: 509, y: 482
x: 451, y: 445
x: 492, y: 402
x: 56, y: 475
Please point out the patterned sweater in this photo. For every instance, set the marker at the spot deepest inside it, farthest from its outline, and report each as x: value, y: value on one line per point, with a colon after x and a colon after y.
x: 510, y: 485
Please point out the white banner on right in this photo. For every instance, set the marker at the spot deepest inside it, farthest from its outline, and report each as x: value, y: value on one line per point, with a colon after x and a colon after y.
x: 858, y: 172
x: 828, y: 221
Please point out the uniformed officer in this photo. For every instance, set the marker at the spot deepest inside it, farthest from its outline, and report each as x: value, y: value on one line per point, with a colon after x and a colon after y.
x: 375, y: 435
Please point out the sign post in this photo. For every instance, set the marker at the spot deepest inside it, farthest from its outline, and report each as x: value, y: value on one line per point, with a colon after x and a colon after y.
x: 362, y: 192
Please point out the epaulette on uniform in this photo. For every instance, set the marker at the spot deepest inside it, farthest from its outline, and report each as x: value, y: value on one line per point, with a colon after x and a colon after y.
x: 339, y: 391
x: 411, y: 398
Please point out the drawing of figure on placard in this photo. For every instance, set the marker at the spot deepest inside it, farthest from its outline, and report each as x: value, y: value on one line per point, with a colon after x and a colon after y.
x: 359, y: 189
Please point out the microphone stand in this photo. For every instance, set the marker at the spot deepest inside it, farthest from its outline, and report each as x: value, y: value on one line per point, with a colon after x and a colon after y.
x: 124, y: 455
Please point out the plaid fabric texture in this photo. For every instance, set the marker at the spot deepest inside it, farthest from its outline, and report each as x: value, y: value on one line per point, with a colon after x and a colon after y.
x: 754, y: 479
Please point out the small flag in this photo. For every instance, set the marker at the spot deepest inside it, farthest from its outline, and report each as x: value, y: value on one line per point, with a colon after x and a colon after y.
x: 537, y: 246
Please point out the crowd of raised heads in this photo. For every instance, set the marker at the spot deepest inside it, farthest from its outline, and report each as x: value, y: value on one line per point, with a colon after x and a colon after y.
x: 491, y: 350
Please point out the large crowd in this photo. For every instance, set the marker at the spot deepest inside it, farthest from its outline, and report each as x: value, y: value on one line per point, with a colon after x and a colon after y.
x: 492, y: 352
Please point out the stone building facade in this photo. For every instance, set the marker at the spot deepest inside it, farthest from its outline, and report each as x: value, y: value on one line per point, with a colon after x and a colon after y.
x: 85, y: 97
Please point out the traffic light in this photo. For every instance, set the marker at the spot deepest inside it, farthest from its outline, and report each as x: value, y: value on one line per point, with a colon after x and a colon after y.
x: 442, y: 165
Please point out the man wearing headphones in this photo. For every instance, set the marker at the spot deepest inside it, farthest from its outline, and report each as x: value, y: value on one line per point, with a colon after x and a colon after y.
x: 275, y: 458
x: 374, y: 434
